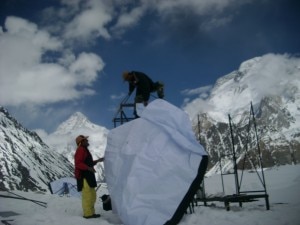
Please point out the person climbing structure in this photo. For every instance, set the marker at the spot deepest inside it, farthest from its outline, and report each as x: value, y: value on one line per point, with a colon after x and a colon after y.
x: 144, y: 87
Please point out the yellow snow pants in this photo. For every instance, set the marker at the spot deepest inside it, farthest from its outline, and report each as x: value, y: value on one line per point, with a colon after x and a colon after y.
x: 88, y: 199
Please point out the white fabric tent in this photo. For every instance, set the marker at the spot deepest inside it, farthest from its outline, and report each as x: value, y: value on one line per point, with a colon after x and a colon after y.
x: 150, y: 165
x: 64, y: 186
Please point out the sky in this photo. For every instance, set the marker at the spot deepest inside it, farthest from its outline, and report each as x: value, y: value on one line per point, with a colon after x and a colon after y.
x: 282, y: 186
x: 58, y: 57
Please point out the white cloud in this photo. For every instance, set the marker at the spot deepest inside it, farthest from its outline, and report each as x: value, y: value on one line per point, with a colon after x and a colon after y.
x: 199, y: 104
x: 86, y: 67
x: 129, y: 19
x: 215, y: 22
x: 42, y: 133
x: 196, y: 106
x: 203, y: 7
x: 118, y: 97
x: 212, y: 10
x: 90, y: 22
x: 26, y: 78
x: 67, y: 58
x: 202, y: 91
x: 273, y: 73
x: 87, y: 20
x: 72, y: 3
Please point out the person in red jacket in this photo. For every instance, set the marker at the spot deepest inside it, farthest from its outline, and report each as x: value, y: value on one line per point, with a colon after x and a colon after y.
x: 85, y: 176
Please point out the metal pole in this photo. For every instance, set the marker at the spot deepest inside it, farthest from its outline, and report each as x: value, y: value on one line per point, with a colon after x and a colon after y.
x: 258, y: 149
x: 234, y: 158
x: 120, y: 106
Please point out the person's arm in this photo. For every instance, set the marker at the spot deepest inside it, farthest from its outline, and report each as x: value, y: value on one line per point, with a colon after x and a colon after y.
x: 131, y: 88
x: 135, y: 77
x: 98, y: 160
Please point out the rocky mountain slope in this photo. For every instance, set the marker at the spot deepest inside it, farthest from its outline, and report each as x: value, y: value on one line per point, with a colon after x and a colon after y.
x: 276, y: 108
x: 27, y: 163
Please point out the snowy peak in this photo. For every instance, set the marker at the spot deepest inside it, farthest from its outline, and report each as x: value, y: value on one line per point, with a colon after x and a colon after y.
x: 63, y: 139
x: 237, y: 75
x: 257, y: 78
x: 75, y: 122
x: 248, y: 65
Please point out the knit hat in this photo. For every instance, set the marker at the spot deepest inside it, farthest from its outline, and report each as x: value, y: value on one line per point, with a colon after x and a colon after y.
x: 80, y: 138
x: 125, y: 75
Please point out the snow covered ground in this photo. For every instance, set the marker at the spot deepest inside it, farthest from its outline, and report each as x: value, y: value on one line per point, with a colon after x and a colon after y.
x: 282, y: 185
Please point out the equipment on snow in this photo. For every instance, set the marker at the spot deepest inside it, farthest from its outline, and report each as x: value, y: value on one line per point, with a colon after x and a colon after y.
x: 106, y: 202
x: 16, y: 196
x: 64, y: 186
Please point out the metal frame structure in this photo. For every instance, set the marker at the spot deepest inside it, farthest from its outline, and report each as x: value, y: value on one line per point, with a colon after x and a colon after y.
x: 241, y: 196
x: 120, y: 116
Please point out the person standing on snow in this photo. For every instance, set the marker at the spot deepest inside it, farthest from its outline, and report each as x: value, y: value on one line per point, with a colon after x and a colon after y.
x: 85, y: 176
x: 143, y: 85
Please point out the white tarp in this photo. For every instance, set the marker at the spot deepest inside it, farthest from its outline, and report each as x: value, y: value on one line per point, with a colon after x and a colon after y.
x: 150, y: 164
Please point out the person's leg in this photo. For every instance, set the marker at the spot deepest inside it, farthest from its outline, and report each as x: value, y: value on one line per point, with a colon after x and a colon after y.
x: 138, y: 99
x: 160, y: 90
x: 142, y: 95
x: 88, y: 199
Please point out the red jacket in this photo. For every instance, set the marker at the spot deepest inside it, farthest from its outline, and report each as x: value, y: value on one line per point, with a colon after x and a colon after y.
x: 84, y: 161
x: 81, y: 164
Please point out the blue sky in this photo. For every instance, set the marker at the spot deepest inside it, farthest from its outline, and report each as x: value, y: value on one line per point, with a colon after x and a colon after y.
x: 62, y: 56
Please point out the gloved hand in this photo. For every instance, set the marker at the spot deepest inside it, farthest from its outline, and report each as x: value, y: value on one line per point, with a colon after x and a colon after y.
x: 91, y: 169
x: 100, y: 160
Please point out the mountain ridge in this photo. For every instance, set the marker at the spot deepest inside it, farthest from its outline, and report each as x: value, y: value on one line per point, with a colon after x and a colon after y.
x: 28, y: 163
x: 276, y: 109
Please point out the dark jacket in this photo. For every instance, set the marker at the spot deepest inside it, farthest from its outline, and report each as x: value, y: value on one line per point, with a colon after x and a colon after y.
x: 83, y: 161
x: 143, y: 84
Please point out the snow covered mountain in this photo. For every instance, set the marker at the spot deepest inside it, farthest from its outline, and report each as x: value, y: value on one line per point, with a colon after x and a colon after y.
x: 272, y: 84
x: 27, y: 163
x: 63, y: 139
